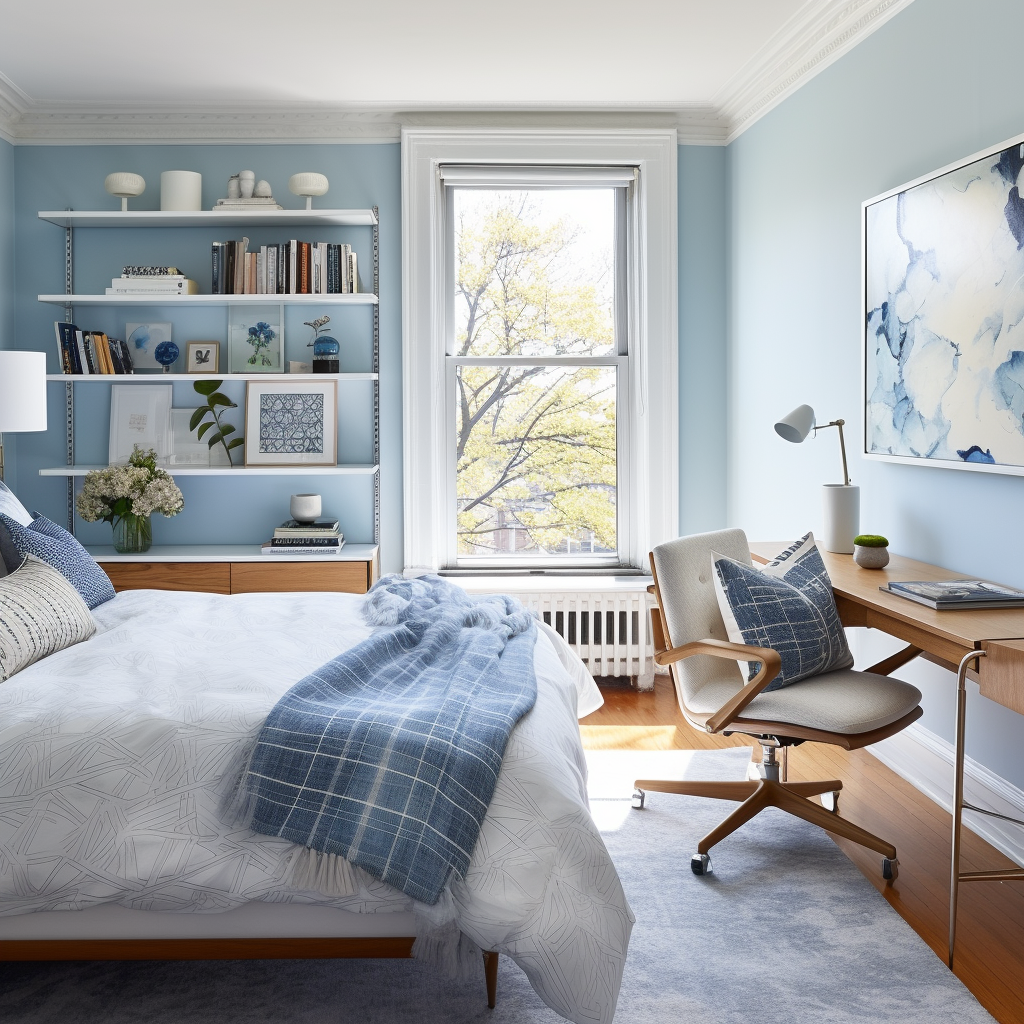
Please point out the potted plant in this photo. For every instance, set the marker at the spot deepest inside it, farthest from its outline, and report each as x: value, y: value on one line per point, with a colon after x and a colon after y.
x: 871, y: 551
x: 126, y: 496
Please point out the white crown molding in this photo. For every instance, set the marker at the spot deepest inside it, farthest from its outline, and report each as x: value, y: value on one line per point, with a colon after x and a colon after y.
x: 816, y: 36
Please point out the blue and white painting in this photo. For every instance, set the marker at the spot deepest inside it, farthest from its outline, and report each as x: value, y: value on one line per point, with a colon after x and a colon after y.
x: 292, y: 424
x: 143, y: 341
x: 944, y: 295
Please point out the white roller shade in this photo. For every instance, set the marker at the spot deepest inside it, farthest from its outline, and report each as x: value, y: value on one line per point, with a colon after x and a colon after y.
x: 534, y: 176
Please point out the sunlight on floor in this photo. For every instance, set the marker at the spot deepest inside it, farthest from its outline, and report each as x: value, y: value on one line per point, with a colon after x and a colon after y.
x: 630, y: 737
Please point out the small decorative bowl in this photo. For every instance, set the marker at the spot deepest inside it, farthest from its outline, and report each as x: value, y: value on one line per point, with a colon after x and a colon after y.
x: 871, y: 551
x: 305, y: 508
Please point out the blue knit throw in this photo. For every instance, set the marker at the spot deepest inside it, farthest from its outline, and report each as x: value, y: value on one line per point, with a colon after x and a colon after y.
x: 388, y: 755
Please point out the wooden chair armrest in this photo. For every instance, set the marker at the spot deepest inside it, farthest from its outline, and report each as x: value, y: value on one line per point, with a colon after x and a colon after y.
x: 771, y: 665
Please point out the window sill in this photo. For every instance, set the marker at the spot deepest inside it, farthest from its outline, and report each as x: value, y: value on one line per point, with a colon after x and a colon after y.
x: 483, y: 584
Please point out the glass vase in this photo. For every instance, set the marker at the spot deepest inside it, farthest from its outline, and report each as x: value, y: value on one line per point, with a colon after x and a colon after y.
x: 133, y: 534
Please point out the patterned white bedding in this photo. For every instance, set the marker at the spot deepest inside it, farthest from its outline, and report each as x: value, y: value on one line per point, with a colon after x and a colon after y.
x: 111, y: 754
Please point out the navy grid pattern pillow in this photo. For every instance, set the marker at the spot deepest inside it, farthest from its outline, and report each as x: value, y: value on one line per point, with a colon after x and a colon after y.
x: 786, y: 605
x: 55, y: 546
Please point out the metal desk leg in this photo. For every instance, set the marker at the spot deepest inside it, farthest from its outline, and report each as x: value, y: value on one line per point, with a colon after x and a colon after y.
x: 958, y: 791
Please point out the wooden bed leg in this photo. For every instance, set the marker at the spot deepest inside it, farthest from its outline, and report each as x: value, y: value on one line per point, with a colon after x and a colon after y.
x: 491, y: 974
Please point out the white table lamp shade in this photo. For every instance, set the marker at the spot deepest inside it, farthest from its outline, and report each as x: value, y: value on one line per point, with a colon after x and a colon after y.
x: 797, y: 425
x: 22, y: 391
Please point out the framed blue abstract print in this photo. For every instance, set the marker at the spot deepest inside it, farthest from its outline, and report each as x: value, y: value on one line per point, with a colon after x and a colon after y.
x: 943, y: 291
x: 290, y: 424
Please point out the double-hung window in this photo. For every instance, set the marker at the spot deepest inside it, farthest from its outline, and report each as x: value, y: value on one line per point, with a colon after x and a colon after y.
x: 538, y: 365
x: 540, y: 381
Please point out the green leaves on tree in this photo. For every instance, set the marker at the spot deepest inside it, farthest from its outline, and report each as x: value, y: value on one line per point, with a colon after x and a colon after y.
x: 215, y: 400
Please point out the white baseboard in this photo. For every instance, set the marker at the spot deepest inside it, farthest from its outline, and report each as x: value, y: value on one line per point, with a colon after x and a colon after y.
x: 926, y: 762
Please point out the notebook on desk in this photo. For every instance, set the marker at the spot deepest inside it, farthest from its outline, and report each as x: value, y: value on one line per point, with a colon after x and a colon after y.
x: 944, y: 595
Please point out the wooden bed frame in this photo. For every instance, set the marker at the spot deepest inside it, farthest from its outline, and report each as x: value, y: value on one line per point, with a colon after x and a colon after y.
x: 399, y: 947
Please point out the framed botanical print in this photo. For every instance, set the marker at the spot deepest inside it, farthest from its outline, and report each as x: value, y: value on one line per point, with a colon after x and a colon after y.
x: 256, y: 340
x: 290, y: 424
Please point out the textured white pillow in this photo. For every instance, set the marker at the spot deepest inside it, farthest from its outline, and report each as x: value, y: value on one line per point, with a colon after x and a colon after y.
x: 10, y: 506
x: 40, y: 613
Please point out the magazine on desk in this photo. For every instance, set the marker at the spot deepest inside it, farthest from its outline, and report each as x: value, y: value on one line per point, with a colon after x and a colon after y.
x: 947, y: 594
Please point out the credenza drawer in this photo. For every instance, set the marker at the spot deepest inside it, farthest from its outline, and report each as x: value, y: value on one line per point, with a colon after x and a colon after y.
x: 211, y: 577
x: 258, y: 577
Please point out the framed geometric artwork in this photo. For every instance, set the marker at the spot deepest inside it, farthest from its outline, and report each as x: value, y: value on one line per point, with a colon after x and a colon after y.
x: 943, y: 293
x: 291, y: 424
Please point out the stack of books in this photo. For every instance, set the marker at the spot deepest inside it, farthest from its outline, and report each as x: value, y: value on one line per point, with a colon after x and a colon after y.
x: 152, y: 281
x: 87, y: 352
x: 288, y: 268
x: 943, y: 595
x: 319, y: 538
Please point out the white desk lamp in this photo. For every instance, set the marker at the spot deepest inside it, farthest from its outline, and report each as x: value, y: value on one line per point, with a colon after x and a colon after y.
x: 22, y: 395
x: 840, y: 502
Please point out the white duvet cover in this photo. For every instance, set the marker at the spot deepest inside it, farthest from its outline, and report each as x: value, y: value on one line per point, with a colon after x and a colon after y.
x: 112, y: 752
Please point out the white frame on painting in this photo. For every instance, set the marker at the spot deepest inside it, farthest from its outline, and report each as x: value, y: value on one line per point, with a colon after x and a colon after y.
x: 943, y: 360
x: 261, y: 450
x: 140, y: 414
x: 193, y: 348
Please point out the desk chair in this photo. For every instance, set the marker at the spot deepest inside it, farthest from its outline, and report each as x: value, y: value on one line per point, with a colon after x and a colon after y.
x: 846, y: 708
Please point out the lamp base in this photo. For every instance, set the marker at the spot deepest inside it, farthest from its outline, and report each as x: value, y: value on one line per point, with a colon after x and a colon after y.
x: 841, y: 512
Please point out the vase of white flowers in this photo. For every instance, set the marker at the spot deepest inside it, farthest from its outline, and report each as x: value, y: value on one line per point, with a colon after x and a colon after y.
x: 126, y: 497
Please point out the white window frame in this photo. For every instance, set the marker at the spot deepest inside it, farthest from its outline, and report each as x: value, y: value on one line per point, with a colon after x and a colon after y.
x: 650, y: 470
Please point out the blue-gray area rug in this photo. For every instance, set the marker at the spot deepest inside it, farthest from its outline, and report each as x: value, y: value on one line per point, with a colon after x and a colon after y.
x: 786, y: 928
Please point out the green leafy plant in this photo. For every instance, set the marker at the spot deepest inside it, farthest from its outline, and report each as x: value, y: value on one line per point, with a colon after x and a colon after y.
x: 871, y: 540
x: 216, y: 401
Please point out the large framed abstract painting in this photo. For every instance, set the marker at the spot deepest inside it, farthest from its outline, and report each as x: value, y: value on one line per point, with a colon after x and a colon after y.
x: 943, y: 288
x: 290, y: 424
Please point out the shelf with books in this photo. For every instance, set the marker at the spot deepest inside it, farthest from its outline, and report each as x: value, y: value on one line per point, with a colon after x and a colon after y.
x: 257, y: 299
x: 170, y: 378
x: 207, y: 218
x: 349, y: 468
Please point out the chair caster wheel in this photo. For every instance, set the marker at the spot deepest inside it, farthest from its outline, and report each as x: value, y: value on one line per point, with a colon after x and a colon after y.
x: 700, y: 864
x: 890, y: 869
x: 830, y: 801
x: 639, y: 796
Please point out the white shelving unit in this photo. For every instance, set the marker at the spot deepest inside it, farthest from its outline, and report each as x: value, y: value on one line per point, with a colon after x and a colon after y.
x: 256, y: 299
x: 342, y: 469
x: 230, y: 553
x: 69, y: 220
x: 210, y: 218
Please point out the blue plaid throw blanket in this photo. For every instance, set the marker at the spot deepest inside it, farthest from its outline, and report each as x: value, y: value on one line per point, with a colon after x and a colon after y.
x: 388, y: 755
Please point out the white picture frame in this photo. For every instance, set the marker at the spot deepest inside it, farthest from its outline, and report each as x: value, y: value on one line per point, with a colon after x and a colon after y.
x: 140, y: 414
x: 142, y: 340
x: 186, y: 448
x: 291, y: 424
x: 202, y: 357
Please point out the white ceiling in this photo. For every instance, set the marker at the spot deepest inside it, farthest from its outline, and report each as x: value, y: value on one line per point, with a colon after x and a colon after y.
x: 67, y: 65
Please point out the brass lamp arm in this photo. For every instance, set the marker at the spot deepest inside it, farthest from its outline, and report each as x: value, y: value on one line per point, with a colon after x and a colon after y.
x: 842, y: 445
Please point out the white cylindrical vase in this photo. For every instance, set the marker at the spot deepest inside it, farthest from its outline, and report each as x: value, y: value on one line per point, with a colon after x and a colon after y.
x: 841, y: 509
x: 181, y: 190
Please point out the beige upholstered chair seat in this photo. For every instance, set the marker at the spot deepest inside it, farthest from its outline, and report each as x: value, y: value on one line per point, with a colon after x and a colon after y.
x: 846, y: 702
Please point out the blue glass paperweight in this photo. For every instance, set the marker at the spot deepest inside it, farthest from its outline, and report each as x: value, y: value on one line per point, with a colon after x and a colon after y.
x: 166, y: 354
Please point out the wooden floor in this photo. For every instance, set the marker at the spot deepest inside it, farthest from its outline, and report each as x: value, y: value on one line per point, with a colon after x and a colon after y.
x: 990, y: 935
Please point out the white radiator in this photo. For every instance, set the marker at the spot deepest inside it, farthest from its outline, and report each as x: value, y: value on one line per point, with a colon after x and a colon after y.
x: 610, y: 630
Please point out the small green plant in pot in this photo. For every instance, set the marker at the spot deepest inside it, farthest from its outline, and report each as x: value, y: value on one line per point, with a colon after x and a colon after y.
x: 871, y: 551
x: 216, y: 402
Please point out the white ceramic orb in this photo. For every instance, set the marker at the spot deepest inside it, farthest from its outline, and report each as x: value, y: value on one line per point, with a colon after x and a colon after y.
x: 262, y: 190
x: 307, y: 183
x: 124, y: 184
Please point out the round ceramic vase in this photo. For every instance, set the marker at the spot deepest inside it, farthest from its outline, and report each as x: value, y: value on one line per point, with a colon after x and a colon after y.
x: 305, y: 508
x: 870, y: 558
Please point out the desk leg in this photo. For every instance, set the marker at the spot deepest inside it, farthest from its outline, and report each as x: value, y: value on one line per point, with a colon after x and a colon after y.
x: 958, y: 791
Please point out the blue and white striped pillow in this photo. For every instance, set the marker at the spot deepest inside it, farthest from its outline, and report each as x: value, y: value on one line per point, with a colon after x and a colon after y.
x: 786, y: 605
x: 55, y: 546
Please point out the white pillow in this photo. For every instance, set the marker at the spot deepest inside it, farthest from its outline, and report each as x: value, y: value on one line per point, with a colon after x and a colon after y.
x: 10, y: 506
x: 40, y: 614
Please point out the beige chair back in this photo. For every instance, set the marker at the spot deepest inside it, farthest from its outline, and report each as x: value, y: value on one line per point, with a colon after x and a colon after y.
x: 689, y: 607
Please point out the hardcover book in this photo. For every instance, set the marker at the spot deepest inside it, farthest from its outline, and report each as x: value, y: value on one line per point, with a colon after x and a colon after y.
x: 946, y: 594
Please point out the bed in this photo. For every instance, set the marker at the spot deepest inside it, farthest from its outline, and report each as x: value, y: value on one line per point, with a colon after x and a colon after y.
x: 111, y: 845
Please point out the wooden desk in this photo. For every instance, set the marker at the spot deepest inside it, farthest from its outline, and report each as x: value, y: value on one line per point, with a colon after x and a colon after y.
x: 994, y: 636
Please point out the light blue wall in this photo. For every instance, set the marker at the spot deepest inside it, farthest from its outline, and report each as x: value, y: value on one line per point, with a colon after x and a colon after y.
x: 937, y: 83
x: 7, y: 275
x: 218, y: 511
x: 702, y: 338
